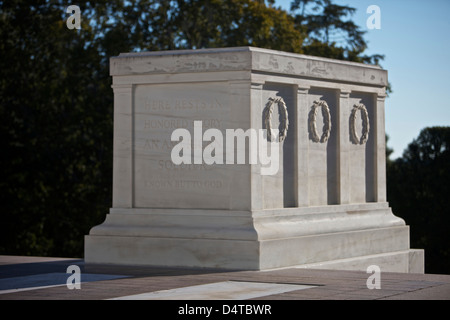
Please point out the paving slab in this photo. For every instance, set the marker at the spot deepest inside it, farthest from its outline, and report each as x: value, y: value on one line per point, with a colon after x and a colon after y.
x: 41, y: 278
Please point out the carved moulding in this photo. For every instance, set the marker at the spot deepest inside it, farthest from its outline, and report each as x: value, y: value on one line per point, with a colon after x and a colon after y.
x: 326, y: 130
x: 365, y: 124
x: 284, y: 120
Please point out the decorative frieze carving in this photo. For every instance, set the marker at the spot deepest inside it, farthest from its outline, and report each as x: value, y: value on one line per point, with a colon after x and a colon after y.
x: 326, y: 130
x: 356, y: 139
x: 284, y: 120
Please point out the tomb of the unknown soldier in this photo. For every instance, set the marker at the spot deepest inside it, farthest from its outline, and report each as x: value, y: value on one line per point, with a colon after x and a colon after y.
x: 249, y: 159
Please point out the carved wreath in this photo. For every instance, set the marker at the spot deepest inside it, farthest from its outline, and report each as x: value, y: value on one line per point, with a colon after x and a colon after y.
x: 326, y: 130
x: 284, y: 121
x: 365, y: 124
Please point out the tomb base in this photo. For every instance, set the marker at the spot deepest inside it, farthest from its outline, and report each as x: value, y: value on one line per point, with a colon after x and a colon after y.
x: 330, y: 237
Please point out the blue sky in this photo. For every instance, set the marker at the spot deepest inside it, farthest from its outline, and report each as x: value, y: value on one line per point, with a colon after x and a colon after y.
x: 415, y: 39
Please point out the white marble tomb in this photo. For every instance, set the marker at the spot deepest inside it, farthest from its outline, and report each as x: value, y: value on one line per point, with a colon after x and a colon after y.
x: 326, y: 205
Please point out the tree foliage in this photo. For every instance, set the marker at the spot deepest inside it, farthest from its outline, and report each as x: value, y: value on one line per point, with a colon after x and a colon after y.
x: 417, y: 189
x: 330, y: 32
x: 56, y: 131
x: 56, y: 101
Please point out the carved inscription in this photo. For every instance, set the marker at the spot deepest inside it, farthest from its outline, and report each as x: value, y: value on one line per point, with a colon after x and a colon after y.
x: 170, y: 166
x: 159, y: 110
x: 181, y: 104
x: 184, y: 184
x: 179, y: 123
x: 156, y: 144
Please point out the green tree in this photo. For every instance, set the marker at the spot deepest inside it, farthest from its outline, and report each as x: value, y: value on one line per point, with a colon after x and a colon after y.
x: 224, y: 23
x: 166, y: 25
x: 417, y: 191
x: 56, y: 116
x: 330, y: 32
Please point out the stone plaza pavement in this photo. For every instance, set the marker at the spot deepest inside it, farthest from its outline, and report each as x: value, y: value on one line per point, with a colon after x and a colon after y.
x: 39, y: 278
